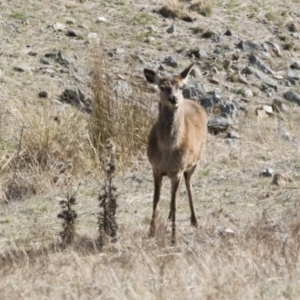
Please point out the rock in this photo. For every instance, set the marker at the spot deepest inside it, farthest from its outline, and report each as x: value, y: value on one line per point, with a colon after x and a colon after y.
x: 101, y: 20
x: 264, y: 111
x: 230, y: 32
x: 93, y: 35
x: 261, y: 65
x: 58, y: 57
x: 242, y: 78
x: 193, y: 91
x: 217, y: 50
x: 120, y: 50
x: 45, y: 61
x: 22, y: 68
x: 152, y: 28
x: 43, y: 94
x: 296, y: 35
x: 72, y: 33
x: 170, y: 29
x: 59, y: 27
x: 212, y: 102
x: 161, y: 68
x: 170, y: 61
x: 268, y: 172
x: 219, y: 124
x: 261, y: 113
x: 198, y: 53
x: 230, y: 108
x: 122, y: 89
x: 276, y: 49
x: 293, y: 74
x: 196, y: 73
x: 295, y: 65
x: 268, y: 109
x: 263, y: 77
x: 249, y: 46
x: 292, y: 96
x: 233, y: 135
x: 76, y: 98
x: 217, y: 38
x: 229, y: 231
x: 281, y: 179
x: 248, y: 93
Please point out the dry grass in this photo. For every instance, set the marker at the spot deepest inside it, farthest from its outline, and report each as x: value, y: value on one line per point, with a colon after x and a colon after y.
x: 211, y: 263
x: 122, y: 118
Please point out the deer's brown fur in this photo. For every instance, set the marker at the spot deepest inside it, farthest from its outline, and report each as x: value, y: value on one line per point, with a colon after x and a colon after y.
x: 176, y: 141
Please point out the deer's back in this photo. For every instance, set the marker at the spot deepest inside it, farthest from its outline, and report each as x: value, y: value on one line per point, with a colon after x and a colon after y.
x: 186, y: 152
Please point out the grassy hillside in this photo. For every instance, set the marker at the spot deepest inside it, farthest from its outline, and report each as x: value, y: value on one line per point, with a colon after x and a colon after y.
x: 52, y: 146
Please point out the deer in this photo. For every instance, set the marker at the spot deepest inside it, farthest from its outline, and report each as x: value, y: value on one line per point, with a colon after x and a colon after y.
x: 176, y: 142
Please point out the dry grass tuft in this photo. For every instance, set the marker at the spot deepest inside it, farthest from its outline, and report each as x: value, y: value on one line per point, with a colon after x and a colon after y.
x: 123, y: 119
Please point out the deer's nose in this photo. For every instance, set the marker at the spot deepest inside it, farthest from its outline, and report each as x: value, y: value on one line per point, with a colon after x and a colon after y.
x: 173, y: 99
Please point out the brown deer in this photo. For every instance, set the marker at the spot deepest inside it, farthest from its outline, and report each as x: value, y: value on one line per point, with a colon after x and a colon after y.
x: 176, y: 141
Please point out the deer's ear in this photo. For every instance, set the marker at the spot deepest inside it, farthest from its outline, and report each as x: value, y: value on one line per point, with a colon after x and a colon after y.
x: 185, y: 73
x: 151, y: 76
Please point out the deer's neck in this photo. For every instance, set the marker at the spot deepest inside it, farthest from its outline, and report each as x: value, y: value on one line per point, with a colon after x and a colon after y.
x: 171, y: 125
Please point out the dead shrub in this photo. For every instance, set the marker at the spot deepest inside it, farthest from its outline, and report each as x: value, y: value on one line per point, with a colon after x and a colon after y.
x: 69, y: 216
x: 107, y: 223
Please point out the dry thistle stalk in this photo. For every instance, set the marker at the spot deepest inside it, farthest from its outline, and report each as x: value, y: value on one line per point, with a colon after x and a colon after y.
x: 69, y: 215
x: 107, y: 223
